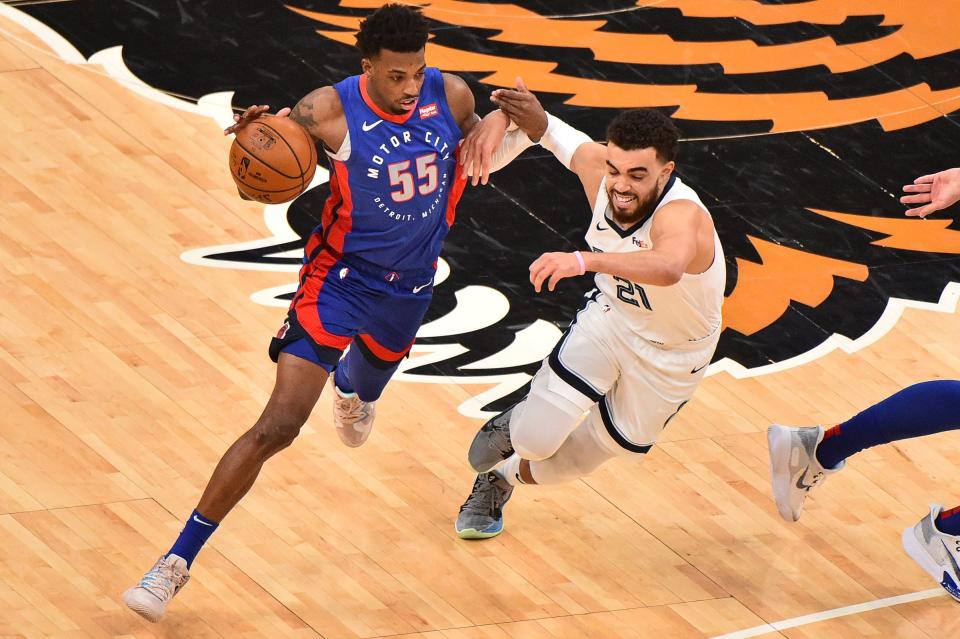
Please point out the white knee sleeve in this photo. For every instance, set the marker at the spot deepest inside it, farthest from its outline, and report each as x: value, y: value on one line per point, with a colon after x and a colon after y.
x: 541, y: 424
x: 579, y: 456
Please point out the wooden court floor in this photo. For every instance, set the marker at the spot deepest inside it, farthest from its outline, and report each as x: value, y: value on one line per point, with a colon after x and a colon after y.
x: 125, y: 373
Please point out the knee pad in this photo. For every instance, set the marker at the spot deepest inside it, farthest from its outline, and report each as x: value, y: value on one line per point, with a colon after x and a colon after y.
x: 547, y: 418
x: 579, y: 456
x: 533, y: 453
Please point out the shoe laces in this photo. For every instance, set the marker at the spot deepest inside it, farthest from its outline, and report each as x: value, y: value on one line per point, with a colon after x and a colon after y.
x: 352, y: 409
x: 499, y: 433
x: 163, y: 580
x: 483, y: 497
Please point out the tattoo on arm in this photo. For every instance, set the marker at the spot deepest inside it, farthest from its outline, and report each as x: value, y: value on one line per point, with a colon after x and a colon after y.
x: 303, y: 113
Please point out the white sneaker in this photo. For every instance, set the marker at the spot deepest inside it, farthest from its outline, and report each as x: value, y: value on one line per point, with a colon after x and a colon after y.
x: 353, y: 417
x: 150, y: 597
x: 794, y: 468
x: 934, y: 551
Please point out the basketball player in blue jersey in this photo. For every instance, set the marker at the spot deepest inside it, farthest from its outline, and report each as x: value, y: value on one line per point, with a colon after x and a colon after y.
x: 391, y: 136
x: 802, y: 458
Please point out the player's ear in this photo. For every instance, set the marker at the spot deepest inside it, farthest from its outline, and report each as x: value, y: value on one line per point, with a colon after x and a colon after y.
x: 366, y: 65
x: 665, y: 174
x: 668, y: 169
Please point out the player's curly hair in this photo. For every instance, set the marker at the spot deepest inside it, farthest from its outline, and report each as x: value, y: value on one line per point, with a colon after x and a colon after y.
x: 642, y: 128
x: 395, y: 27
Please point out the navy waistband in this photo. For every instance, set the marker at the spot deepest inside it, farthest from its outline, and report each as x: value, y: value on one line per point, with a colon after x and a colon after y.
x: 386, y: 274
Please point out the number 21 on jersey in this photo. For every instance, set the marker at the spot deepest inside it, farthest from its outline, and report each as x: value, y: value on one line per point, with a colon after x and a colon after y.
x: 628, y: 292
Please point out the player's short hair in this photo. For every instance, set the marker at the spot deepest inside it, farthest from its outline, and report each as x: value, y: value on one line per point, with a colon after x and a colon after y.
x: 395, y: 27
x: 642, y: 128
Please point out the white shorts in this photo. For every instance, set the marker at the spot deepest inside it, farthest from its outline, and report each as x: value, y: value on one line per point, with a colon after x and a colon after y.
x: 633, y: 386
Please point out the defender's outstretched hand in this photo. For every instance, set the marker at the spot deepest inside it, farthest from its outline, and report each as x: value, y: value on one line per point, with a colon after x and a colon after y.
x: 476, y: 152
x: 935, y: 192
x: 522, y: 107
x: 554, y: 267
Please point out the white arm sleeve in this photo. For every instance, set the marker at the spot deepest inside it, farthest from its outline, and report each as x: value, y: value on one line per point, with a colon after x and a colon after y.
x: 514, y: 143
x: 562, y: 140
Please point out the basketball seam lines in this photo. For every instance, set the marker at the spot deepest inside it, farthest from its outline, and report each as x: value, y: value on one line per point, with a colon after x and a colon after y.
x: 267, y: 164
x: 295, y: 156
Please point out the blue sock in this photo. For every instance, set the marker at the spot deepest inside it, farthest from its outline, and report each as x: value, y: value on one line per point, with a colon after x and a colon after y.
x: 357, y: 374
x: 921, y: 409
x: 949, y: 521
x: 341, y: 377
x: 193, y: 536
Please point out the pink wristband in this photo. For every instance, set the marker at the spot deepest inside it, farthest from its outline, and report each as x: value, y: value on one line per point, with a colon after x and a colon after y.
x: 583, y: 267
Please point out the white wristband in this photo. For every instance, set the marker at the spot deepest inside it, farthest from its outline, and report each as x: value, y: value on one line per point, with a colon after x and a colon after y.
x: 562, y: 140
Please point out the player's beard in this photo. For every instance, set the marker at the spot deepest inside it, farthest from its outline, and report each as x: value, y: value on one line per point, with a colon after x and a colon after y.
x: 643, y: 207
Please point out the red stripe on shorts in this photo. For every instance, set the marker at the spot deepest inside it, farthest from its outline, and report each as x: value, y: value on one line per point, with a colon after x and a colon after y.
x: 382, y: 352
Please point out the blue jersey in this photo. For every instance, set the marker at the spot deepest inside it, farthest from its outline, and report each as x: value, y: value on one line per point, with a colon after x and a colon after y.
x: 395, y: 182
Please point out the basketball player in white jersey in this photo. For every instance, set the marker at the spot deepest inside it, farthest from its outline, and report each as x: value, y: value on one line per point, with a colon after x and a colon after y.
x: 634, y: 354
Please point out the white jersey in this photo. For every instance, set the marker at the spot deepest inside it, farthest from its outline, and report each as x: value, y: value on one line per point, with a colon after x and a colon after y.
x: 683, y: 314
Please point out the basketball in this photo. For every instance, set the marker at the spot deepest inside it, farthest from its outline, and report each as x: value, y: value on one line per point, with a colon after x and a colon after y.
x: 272, y: 160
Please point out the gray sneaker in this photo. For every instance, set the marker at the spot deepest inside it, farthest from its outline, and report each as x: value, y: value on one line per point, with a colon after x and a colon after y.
x: 794, y: 468
x: 150, y: 597
x: 353, y: 417
x: 935, y: 552
x: 491, y: 445
x: 481, y: 516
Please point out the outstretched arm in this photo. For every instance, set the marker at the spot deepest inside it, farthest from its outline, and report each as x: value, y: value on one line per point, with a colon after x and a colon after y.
x: 491, y: 145
x: 484, y: 148
x: 319, y: 112
x: 674, y: 236
x: 935, y: 192
x: 573, y: 148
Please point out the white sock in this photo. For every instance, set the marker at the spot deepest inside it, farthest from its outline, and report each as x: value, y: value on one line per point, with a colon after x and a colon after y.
x: 342, y: 394
x: 510, y: 470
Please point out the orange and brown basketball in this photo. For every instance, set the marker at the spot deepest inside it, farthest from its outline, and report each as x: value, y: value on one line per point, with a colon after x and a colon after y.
x: 273, y: 159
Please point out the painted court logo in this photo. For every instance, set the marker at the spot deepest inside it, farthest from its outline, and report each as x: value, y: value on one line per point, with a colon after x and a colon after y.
x: 801, y: 121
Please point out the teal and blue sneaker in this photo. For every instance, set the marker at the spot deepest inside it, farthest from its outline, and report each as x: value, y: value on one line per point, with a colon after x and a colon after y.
x: 481, y: 516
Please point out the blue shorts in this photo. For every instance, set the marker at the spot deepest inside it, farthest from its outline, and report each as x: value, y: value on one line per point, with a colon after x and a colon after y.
x: 344, y: 300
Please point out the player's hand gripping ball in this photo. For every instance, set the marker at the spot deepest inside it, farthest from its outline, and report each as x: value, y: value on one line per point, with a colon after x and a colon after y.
x: 272, y: 159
